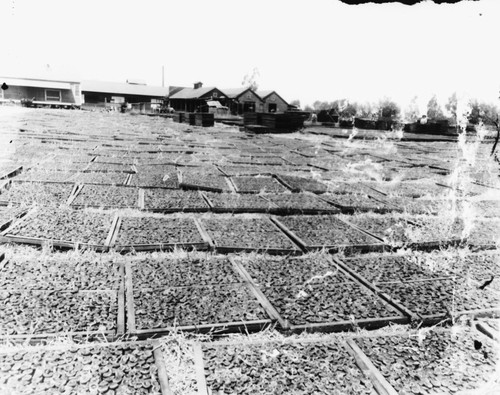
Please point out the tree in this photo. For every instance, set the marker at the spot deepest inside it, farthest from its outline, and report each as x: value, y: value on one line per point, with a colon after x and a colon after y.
x: 483, y: 112
x: 489, y: 115
x: 434, y: 110
x: 321, y: 105
x: 388, y: 108
x: 451, y: 106
x: 366, y: 110
x: 347, y: 109
x: 250, y: 79
x: 412, y: 112
x: 295, y: 103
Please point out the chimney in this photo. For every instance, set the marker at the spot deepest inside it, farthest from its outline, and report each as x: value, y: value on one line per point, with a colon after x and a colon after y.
x: 198, y: 85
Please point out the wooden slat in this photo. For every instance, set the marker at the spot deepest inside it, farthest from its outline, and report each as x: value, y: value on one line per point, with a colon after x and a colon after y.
x: 113, y: 234
x: 347, y: 325
x: 140, y: 202
x: 488, y: 330
x: 291, y: 235
x: 160, y: 247
x: 401, y: 308
x: 113, y: 231
x: 129, y: 292
x: 216, y: 328
x: 200, y: 369
x: 162, y: 371
x: 204, y: 234
x: 266, y: 304
x: 380, y: 384
x: 72, y: 194
x: 120, y: 326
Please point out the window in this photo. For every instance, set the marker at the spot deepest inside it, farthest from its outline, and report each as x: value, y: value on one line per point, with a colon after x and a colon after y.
x: 249, y: 95
x: 249, y: 106
x: 214, y: 94
x: 117, y: 99
x: 52, y: 95
x: 272, y: 107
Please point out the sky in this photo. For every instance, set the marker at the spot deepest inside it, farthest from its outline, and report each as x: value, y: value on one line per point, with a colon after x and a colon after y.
x: 306, y: 50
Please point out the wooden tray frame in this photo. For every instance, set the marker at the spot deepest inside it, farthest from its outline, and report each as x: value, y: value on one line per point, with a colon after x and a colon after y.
x: 157, y: 354
x: 336, y: 326
x: 109, y: 334
x: 215, y: 328
x: 137, y: 204
x: 420, y: 246
x: 367, y: 368
x: 225, y: 249
x: 173, y: 209
x: 111, y: 243
x: 347, y: 248
x: 59, y: 244
x: 253, y: 192
x: 8, y: 184
x: 238, y: 210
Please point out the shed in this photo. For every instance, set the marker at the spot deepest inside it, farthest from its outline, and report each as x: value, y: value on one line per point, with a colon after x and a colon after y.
x: 41, y: 91
x: 272, y: 101
x: 243, y: 100
x: 195, y: 99
x: 103, y: 92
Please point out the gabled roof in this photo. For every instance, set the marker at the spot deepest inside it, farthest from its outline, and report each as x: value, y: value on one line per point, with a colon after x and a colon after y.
x: 123, y: 88
x: 191, y: 93
x: 234, y: 93
x: 174, y: 89
x: 265, y: 94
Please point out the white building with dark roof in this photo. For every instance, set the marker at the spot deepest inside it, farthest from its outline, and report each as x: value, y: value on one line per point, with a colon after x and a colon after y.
x: 41, y: 91
x: 98, y: 92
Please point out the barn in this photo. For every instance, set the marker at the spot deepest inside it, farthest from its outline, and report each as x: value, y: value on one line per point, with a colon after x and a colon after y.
x: 195, y: 99
x: 272, y: 101
x: 104, y: 94
x: 40, y: 92
x: 243, y: 100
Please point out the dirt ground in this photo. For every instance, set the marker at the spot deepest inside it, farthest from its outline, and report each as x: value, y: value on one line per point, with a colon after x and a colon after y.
x: 139, y: 255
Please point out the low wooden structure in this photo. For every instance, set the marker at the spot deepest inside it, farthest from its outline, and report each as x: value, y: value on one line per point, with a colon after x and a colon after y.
x: 433, y: 127
x: 272, y: 122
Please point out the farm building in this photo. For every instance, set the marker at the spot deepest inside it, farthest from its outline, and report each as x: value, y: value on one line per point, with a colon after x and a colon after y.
x: 272, y: 101
x: 242, y: 100
x: 195, y: 99
x: 100, y: 93
x: 41, y: 91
